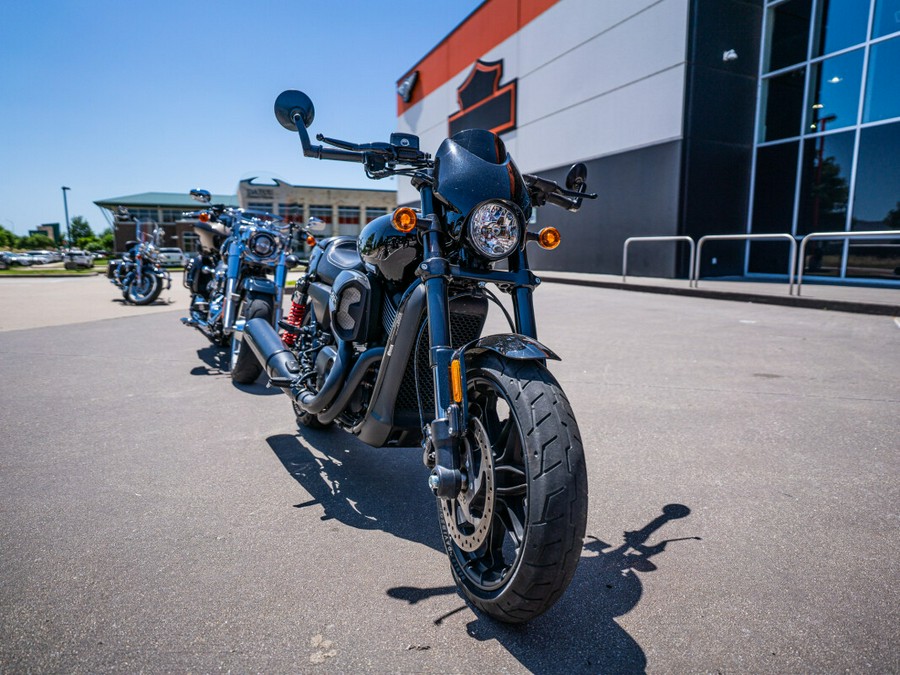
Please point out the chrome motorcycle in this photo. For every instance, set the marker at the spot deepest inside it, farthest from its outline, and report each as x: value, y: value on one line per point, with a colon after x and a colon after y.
x: 229, y: 278
x: 139, y: 273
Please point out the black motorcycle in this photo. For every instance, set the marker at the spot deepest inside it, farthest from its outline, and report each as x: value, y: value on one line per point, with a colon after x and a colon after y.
x: 229, y: 277
x: 138, y: 273
x: 387, y: 344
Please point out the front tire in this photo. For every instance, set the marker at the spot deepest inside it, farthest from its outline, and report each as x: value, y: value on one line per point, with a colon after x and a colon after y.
x: 145, y: 291
x: 245, y: 367
x: 514, y: 537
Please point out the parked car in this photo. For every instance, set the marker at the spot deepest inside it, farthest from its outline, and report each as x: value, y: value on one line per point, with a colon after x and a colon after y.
x: 40, y: 257
x: 18, y: 259
x: 75, y: 259
x: 6, y: 260
x: 172, y: 257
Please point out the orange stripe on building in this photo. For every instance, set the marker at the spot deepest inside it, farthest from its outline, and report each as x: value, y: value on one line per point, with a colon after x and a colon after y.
x: 490, y: 24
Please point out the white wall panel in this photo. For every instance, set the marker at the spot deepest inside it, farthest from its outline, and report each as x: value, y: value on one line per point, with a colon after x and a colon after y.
x: 596, y: 77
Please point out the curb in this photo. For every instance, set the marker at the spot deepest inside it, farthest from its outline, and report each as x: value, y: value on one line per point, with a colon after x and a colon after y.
x: 50, y: 276
x: 786, y: 301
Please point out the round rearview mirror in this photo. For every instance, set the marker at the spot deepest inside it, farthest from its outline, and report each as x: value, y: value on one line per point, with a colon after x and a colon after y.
x: 576, y: 179
x: 202, y: 196
x: 293, y: 105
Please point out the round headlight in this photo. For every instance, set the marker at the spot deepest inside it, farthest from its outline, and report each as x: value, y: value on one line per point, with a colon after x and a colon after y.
x: 262, y: 244
x: 494, y: 230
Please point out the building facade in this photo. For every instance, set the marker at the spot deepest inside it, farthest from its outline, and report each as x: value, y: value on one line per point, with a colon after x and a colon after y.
x: 344, y: 211
x: 694, y: 117
x: 151, y: 208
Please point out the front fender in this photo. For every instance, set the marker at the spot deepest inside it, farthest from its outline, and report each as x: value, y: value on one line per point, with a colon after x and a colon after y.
x: 510, y: 345
x: 258, y: 285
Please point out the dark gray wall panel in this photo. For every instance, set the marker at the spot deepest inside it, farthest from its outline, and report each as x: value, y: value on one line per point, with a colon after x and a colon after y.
x: 638, y: 196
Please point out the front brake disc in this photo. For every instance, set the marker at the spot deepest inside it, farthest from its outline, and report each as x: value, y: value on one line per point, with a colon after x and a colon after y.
x: 466, y: 526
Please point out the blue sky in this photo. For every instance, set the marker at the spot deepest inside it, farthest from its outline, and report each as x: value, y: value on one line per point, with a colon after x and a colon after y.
x: 116, y: 97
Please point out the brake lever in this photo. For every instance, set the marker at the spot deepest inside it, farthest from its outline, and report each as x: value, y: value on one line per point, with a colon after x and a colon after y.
x: 577, y: 195
x: 343, y: 145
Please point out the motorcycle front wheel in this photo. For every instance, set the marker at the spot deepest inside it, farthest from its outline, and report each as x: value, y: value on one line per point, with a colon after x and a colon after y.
x: 145, y: 291
x: 514, y: 534
x: 245, y: 367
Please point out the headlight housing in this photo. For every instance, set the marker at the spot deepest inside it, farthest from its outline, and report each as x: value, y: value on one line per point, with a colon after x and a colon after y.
x: 262, y: 244
x: 495, y: 230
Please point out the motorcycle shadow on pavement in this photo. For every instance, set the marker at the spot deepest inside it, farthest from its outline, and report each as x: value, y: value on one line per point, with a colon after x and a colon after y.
x: 215, y: 362
x: 360, y: 486
x: 585, y: 636
x: 354, y: 485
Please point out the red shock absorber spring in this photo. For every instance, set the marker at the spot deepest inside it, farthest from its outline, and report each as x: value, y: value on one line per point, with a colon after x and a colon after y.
x: 295, y: 318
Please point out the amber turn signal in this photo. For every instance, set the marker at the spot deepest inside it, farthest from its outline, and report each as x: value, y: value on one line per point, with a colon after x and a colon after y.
x: 456, y: 380
x: 204, y: 217
x: 310, y: 240
x: 404, y: 219
x: 549, y: 238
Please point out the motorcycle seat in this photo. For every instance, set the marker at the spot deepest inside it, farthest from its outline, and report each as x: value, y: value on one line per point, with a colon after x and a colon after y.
x: 340, y: 254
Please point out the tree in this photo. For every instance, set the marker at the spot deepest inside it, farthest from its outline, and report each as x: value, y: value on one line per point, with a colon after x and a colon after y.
x: 107, y: 240
x: 79, y: 228
x: 892, y: 219
x: 40, y: 241
x: 7, y: 239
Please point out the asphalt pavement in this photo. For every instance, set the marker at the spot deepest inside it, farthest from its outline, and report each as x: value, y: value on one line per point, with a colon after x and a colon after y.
x: 743, y: 512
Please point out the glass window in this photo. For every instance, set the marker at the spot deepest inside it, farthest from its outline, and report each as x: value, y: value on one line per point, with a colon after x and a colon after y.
x: 783, y: 105
x: 291, y: 213
x: 887, y: 17
x: 265, y: 207
x: 373, y: 212
x: 171, y: 215
x: 825, y: 184
x: 876, y: 203
x: 788, y: 34
x: 834, y: 92
x: 773, y: 204
x: 877, y: 179
x: 839, y: 24
x: 190, y: 242
x: 883, y: 82
x: 348, y: 220
x: 322, y: 212
x: 348, y: 215
x: 144, y: 214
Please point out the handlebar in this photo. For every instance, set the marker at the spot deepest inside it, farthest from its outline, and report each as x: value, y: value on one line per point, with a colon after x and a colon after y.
x: 544, y: 191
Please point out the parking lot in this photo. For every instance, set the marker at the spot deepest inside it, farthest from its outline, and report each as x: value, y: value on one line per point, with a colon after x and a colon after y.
x: 157, y: 517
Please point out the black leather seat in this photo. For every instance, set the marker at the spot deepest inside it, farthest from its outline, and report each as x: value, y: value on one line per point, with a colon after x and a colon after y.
x: 340, y: 254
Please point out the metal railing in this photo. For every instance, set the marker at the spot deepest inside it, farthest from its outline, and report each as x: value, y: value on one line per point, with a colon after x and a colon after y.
x: 666, y: 238
x: 864, y: 234
x: 796, y: 259
x: 748, y: 237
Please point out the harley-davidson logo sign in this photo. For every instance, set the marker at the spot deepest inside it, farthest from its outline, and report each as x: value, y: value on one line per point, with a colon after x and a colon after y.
x: 483, y: 102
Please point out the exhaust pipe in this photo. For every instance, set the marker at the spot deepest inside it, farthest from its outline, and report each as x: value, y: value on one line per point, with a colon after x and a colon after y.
x: 282, y: 368
x: 279, y: 364
x: 366, y: 360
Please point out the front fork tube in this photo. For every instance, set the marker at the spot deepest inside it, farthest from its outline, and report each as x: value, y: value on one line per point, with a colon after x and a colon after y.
x: 523, y: 302
x: 443, y: 434
x: 445, y: 431
x: 231, y: 281
x: 280, y: 281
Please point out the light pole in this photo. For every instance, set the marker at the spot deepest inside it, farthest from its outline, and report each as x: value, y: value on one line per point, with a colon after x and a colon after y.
x: 66, y: 207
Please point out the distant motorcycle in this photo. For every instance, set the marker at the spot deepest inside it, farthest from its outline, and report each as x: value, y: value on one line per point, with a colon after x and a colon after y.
x: 139, y: 273
x: 228, y: 278
x: 386, y: 343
